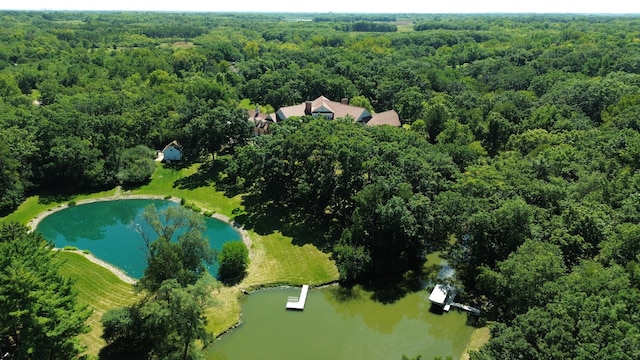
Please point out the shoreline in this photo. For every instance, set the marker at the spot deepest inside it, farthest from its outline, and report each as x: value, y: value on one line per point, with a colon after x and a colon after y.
x: 33, y: 224
x: 114, y: 269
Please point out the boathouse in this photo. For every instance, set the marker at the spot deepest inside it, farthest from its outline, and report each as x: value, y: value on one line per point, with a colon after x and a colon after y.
x: 440, y: 296
x: 443, y: 295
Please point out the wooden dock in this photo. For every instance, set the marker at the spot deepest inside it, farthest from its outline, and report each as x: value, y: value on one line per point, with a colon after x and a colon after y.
x: 471, y: 310
x: 297, y: 303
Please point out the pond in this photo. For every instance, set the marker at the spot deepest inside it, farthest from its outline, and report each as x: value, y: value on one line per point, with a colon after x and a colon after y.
x: 333, y: 326
x: 109, y: 230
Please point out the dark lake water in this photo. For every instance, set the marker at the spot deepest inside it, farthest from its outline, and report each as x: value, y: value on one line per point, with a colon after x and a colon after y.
x: 108, y: 229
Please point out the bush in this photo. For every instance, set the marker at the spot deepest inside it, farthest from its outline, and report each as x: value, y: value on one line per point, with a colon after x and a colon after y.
x: 136, y: 165
x: 70, y: 248
x: 72, y: 203
x: 233, y: 259
x: 193, y: 207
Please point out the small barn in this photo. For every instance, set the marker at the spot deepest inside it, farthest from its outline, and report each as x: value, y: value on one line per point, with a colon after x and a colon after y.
x: 172, y: 152
x: 443, y: 295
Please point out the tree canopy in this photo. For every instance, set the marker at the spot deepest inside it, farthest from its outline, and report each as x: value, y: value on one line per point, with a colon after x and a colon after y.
x: 41, y: 316
x: 519, y: 147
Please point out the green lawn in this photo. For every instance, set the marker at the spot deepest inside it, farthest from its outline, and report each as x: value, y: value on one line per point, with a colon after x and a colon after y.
x: 190, y: 184
x: 36, y: 204
x: 278, y: 261
x: 29, y: 209
x: 100, y: 289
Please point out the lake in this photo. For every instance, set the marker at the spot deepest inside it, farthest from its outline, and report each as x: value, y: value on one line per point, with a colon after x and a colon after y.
x: 109, y: 230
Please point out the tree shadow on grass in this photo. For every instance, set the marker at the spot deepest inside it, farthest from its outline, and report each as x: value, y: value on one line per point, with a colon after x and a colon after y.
x: 203, y: 177
x: 185, y: 162
x: 266, y: 217
x: 54, y: 195
x: 121, y: 350
x: 310, y: 230
x: 209, y: 173
x: 48, y: 199
x: 262, y: 217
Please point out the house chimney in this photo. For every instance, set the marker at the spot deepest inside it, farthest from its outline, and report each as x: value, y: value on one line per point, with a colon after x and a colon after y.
x: 307, y: 107
x: 255, y: 116
x: 345, y: 101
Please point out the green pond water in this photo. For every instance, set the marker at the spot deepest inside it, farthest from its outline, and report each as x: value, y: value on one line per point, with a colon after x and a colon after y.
x: 332, y: 325
x: 333, y: 328
x: 109, y: 230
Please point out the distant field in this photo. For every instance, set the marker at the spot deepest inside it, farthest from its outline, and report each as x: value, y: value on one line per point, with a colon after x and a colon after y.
x: 404, y: 26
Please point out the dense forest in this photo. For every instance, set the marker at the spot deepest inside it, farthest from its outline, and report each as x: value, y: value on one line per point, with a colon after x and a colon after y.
x: 518, y: 158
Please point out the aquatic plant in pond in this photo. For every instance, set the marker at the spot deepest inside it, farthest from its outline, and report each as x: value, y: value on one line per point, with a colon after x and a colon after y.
x: 110, y: 231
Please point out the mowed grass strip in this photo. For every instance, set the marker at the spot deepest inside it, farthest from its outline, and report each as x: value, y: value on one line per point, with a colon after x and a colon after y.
x: 478, y: 338
x: 97, y: 287
x: 225, y: 311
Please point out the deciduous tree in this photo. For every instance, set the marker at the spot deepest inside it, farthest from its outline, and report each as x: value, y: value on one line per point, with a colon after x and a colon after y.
x: 166, y: 324
x: 233, y: 260
x: 179, y: 252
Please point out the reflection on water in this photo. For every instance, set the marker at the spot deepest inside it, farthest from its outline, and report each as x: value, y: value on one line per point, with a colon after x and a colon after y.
x: 445, y: 271
x: 341, y: 325
x: 437, y: 270
x: 109, y: 230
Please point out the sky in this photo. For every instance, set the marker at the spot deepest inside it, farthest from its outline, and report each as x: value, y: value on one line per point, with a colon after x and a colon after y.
x: 338, y: 6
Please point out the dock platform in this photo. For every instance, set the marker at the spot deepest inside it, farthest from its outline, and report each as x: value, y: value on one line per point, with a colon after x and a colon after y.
x: 297, y: 303
x: 443, y: 295
x: 467, y: 308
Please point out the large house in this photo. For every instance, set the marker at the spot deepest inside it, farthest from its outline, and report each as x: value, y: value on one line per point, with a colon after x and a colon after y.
x: 261, y: 121
x: 322, y: 107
